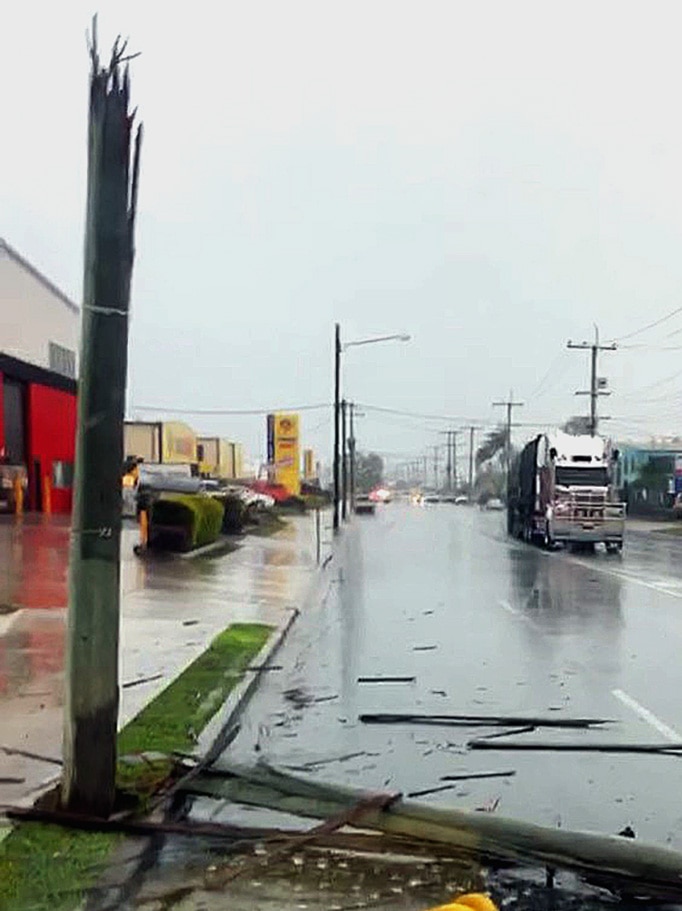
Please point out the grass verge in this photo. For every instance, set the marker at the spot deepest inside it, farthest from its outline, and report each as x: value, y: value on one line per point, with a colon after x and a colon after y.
x: 47, y: 868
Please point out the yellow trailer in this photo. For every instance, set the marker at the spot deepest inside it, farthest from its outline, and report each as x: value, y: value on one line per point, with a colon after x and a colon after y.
x: 220, y: 458
x: 168, y: 442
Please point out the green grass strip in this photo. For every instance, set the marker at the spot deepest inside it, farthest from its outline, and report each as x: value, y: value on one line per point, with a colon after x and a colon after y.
x: 47, y: 868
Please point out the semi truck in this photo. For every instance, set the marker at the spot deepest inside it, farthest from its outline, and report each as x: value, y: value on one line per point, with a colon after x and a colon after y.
x: 561, y: 491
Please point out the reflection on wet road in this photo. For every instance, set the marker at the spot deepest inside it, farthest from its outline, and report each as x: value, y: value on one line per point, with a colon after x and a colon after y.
x: 486, y: 625
x: 171, y: 608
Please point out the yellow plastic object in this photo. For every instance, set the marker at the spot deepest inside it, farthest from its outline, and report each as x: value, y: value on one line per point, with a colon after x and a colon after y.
x: 18, y: 497
x: 144, y: 528
x: 474, y: 901
x: 453, y: 906
x: 478, y: 901
x: 47, y: 495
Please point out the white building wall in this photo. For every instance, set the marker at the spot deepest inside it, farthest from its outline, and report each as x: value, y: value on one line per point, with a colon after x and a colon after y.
x: 33, y: 313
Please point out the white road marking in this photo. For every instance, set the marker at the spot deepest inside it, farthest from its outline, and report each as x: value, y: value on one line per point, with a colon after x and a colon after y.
x: 644, y: 713
x: 515, y: 612
x: 627, y: 577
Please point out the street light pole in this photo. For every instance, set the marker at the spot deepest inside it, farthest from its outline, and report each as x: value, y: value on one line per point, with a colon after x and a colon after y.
x: 344, y: 464
x: 337, y: 421
x: 338, y: 349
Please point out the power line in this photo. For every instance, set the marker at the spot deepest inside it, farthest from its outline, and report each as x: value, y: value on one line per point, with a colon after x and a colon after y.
x: 169, y: 409
x: 541, y: 388
x: 448, y: 418
x: 648, y: 326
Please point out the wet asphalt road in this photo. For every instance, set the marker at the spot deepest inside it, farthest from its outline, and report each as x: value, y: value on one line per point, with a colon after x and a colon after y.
x: 486, y: 625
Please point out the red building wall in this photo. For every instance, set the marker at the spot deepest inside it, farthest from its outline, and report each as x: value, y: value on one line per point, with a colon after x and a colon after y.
x: 51, y: 437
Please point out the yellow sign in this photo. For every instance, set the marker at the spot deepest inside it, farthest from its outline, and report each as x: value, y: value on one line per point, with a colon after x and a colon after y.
x: 285, y: 452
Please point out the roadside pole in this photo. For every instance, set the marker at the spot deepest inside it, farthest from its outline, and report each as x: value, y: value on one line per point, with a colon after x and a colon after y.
x: 472, y: 430
x: 91, y: 694
x: 510, y: 404
x: 344, y: 464
x: 337, y: 420
x: 351, y: 446
x: 595, y: 390
x: 317, y: 535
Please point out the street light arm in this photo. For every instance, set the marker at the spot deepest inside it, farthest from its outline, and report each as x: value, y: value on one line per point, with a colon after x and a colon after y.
x: 398, y: 337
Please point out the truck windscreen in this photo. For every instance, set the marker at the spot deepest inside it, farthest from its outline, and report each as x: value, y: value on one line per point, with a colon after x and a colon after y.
x: 567, y: 476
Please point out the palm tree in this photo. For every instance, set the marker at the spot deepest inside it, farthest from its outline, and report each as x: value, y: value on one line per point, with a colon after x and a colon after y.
x: 494, y: 443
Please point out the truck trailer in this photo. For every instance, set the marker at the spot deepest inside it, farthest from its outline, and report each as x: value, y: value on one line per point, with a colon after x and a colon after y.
x: 561, y: 491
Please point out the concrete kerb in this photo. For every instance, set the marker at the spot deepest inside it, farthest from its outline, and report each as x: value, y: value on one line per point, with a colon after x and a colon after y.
x: 137, y: 854
x: 222, y: 542
x: 226, y: 716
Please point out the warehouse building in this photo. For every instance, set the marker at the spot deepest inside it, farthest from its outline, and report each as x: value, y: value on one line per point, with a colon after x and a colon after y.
x: 39, y: 331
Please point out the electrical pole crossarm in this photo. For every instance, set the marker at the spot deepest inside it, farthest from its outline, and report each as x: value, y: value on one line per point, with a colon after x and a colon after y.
x: 594, y: 391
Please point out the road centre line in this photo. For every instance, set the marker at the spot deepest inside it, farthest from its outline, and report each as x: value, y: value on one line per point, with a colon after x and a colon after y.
x: 669, y: 733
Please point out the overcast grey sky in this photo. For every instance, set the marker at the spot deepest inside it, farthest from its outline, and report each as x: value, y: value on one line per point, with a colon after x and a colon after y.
x: 492, y: 178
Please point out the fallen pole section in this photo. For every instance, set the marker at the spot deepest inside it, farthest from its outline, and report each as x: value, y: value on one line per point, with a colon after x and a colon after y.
x: 632, y: 864
x: 514, y: 721
x: 484, y: 743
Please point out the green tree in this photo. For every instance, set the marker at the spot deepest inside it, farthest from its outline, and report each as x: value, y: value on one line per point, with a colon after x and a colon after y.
x: 578, y: 425
x: 369, y: 471
x: 655, y: 474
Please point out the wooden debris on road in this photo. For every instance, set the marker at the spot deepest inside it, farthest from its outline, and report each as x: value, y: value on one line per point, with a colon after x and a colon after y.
x: 484, y: 835
x: 481, y: 743
x: 467, y: 776
x: 140, y: 680
x: 386, y: 679
x: 482, y: 720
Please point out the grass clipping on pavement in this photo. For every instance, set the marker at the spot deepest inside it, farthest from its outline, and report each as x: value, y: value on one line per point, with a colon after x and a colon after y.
x: 47, y: 868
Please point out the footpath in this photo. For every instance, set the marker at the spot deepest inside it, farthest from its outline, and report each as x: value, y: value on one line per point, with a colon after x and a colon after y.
x: 171, y: 610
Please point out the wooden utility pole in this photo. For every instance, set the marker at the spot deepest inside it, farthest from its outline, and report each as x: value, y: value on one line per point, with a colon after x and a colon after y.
x: 451, y: 462
x: 91, y: 694
x: 472, y: 430
x: 594, y: 391
x: 337, y: 422
x: 509, y: 405
x: 436, y: 458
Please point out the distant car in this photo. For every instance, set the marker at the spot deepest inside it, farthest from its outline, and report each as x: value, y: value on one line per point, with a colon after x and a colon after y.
x: 461, y: 500
x: 365, y: 506
x: 494, y: 504
x: 432, y: 498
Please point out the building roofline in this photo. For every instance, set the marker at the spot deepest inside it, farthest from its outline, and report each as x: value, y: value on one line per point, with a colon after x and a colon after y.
x: 19, y: 369
x: 37, y: 274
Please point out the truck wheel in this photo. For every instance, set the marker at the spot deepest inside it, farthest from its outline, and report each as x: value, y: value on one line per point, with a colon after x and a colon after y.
x: 614, y: 547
